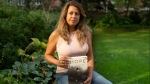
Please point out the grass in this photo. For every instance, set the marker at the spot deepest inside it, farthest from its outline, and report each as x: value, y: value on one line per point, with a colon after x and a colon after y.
x: 122, y: 57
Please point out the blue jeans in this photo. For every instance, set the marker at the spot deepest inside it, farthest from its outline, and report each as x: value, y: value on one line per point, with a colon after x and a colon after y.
x: 62, y: 78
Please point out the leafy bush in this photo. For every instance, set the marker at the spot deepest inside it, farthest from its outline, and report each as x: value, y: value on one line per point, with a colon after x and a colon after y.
x: 110, y: 20
x: 32, y: 68
x: 9, y: 55
x: 35, y: 72
x: 13, y: 35
x: 19, y: 26
x: 7, y: 78
x: 36, y: 68
x: 11, y: 28
x: 105, y: 21
x: 146, y: 19
x: 39, y: 71
x: 113, y: 20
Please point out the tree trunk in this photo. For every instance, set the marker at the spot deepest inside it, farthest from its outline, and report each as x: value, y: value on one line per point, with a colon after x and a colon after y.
x: 128, y: 5
x: 27, y: 4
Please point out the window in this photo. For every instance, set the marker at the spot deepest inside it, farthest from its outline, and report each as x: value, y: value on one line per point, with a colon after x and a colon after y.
x: 21, y: 2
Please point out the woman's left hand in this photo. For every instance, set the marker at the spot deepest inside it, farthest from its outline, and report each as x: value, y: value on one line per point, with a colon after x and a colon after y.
x: 88, y: 81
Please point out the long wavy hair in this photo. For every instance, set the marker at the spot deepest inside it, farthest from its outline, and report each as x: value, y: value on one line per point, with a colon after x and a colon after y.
x: 81, y: 28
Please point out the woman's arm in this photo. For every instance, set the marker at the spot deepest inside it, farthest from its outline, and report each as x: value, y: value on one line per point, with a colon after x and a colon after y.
x: 90, y: 58
x: 51, y: 47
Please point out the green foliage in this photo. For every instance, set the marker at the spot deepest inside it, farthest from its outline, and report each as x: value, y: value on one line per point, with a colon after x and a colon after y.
x: 111, y: 20
x: 32, y: 68
x: 105, y: 21
x: 11, y: 29
x: 18, y: 26
x: 146, y: 20
x: 9, y: 55
x: 7, y: 78
x: 35, y: 24
x: 121, y: 20
x: 39, y: 71
x: 39, y: 46
x: 35, y: 48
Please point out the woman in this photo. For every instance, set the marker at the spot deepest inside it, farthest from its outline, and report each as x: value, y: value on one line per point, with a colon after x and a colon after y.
x: 72, y: 37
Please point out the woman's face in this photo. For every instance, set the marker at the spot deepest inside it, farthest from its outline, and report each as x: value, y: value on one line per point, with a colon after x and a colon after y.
x: 73, y: 16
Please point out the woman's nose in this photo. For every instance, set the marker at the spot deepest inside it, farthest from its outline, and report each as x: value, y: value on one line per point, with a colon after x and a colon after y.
x: 73, y: 15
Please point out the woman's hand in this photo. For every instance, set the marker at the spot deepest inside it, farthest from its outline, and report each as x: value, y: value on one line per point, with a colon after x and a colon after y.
x: 63, y: 61
x: 88, y: 81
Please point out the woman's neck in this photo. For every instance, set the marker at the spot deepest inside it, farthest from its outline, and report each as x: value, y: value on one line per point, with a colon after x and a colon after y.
x: 71, y: 28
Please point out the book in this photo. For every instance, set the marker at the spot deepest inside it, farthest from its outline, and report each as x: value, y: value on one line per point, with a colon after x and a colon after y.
x: 77, y: 69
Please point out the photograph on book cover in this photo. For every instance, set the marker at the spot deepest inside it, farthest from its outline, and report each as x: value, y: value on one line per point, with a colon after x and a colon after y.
x: 77, y: 69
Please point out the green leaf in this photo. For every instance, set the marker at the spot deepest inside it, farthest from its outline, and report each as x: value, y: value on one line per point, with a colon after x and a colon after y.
x: 41, y: 75
x: 40, y: 58
x: 48, y: 74
x: 15, y: 72
x: 46, y: 80
x: 37, y: 79
x: 35, y: 72
x: 1, y: 76
x: 24, y: 69
x: 35, y: 40
x: 49, y: 78
x: 51, y: 66
x: 37, y: 62
x: 31, y: 66
x: 3, y: 72
x: 44, y: 61
x: 17, y: 63
x: 31, y: 80
x: 21, y: 52
x: 6, y: 79
x: 43, y: 45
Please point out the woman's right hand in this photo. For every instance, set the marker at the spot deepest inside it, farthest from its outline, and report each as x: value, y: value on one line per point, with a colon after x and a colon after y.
x: 63, y: 61
x: 88, y: 81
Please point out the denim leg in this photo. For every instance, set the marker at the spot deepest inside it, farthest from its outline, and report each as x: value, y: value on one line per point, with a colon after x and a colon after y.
x: 98, y: 79
x: 62, y: 78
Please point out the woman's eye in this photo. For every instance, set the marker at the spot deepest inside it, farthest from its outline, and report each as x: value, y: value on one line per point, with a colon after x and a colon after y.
x: 76, y: 13
x: 70, y: 13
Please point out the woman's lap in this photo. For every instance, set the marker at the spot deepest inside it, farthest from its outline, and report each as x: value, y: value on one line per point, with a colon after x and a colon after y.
x: 62, y: 78
x: 98, y: 79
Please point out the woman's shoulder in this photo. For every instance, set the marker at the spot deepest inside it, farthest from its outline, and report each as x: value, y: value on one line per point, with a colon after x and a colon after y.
x: 54, y: 34
x: 88, y: 29
x: 89, y: 33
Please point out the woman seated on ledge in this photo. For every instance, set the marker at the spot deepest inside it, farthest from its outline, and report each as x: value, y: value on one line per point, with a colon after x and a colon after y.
x: 72, y: 37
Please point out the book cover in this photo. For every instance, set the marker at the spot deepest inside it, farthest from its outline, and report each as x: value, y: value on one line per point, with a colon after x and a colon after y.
x: 77, y: 69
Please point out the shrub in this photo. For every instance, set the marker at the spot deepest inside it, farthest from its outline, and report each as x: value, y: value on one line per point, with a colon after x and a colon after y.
x: 112, y: 20
x: 32, y: 68
x: 9, y: 55
x: 7, y: 78
x: 107, y: 20
x: 39, y: 71
x: 18, y: 27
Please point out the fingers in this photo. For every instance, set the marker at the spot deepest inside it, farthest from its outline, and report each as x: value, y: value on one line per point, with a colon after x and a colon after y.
x: 88, y: 81
x: 63, y: 61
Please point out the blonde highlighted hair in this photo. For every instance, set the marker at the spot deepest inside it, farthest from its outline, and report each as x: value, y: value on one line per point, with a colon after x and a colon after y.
x: 82, y: 30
